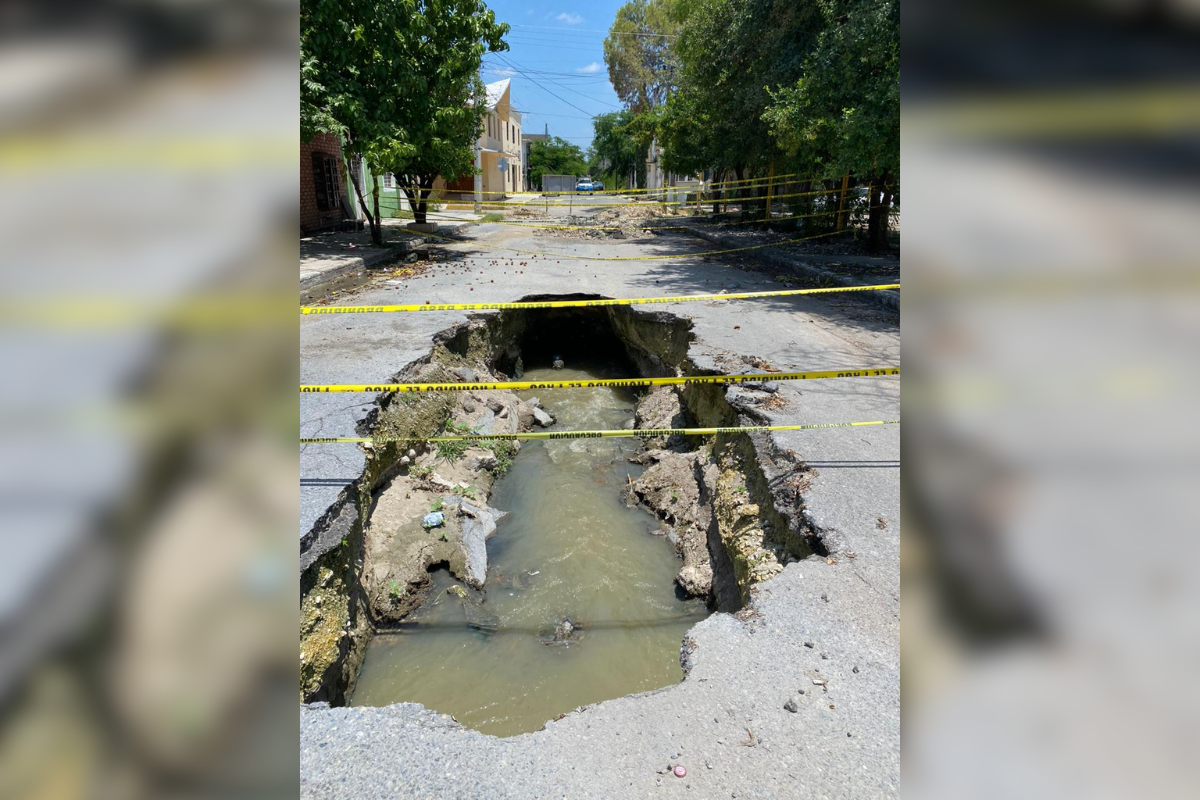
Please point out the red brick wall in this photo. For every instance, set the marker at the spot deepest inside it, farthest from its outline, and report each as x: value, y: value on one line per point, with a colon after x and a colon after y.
x: 311, y: 218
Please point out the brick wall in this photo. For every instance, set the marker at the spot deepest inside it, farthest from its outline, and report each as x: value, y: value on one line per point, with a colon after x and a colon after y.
x: 312, y: 218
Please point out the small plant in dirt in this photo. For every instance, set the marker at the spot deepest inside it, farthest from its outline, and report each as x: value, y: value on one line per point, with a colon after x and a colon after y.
x: 421, y: 471
x: 465, y: 491
x: 443, y: 537
x: 674, y: 495
x: 436, y: 505
x: 505, y: 451
x: 493, y: 216
x: 453, y: 451
x: 396, y: 590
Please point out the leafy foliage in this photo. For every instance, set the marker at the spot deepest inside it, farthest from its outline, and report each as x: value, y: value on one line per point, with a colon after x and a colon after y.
x: 618, y: 147
x: 554, y: 156
x: 399, y: 79
x: 641, y: 62
x: 745, y: 86
x: 505, y: 451
x: 846, y: 106
x: 847, y: 102
x: 453, y: 451
x: 730, y: 51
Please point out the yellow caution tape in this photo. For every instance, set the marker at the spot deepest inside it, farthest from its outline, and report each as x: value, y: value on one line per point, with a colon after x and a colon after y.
x: 628, y: 301
x: 648, y: 201
x: 699, y: 254
x: 622, y: 434
x: 636, y: 224
x: 685, y: 380
x: 762, y: 180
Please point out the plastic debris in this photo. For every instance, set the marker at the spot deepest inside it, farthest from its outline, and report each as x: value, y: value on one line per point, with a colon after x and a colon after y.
x: 680, y: 770
x: 434, y: 519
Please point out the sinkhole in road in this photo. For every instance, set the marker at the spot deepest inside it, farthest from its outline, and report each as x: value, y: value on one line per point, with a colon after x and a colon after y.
x: 633, y: 541
x: 503, y: 660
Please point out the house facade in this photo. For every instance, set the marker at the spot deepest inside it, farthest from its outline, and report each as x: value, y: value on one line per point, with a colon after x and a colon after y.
x: 499, y: 142
x: 323, y: 183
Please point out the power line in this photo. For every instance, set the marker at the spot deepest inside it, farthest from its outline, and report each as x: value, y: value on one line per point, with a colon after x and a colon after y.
x: 548, y: 114
x: 594, y: 30
x: 537, y: 83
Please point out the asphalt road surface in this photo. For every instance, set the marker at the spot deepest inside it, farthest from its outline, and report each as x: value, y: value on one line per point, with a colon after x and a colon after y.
x: 726, y: 723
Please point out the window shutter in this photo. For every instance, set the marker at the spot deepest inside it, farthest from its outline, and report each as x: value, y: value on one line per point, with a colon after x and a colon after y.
x: 318, y: 168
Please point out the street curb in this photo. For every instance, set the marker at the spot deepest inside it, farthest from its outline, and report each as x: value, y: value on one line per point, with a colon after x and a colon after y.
x: 375, y: 259
x: 888, y: 298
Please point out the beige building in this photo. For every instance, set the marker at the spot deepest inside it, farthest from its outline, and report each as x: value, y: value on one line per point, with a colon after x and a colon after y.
x: 499, y: 144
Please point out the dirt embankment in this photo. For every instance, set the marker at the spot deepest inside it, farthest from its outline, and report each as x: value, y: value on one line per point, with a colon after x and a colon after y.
x: 721, y: 514
x: 732, y: 504
x: 429, y: 508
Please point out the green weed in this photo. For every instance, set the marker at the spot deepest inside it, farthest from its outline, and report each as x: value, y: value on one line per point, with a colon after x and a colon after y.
x: 453, y: 451
x: 505, y: 451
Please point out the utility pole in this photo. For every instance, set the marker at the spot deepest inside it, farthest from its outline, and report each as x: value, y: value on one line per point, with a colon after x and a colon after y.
x: 478, y: 178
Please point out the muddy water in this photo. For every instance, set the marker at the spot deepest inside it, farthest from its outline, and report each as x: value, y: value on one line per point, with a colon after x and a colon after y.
x: 568, y: 548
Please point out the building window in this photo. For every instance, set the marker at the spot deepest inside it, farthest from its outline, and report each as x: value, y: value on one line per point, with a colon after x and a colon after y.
x: 389, y: 181
x: 325, y: 180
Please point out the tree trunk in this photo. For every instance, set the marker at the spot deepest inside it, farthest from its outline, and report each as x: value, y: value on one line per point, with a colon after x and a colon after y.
x: 424, y: 184
x: 375, y: 198
x: 880, y: 201
x: 738, y: 171
x: 373, y: 221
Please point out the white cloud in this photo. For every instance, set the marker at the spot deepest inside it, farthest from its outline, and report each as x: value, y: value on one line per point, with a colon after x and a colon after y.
x: 595, y: 66
x: 503, y: 72
x: 570, y: 19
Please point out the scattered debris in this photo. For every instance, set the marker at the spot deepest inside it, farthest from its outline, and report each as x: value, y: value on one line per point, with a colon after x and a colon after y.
x: 680, y: 771
x: 791, y: 705
x: 434, y: 519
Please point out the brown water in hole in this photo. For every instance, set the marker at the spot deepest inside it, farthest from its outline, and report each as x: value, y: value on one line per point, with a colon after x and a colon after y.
x: 568, y: 548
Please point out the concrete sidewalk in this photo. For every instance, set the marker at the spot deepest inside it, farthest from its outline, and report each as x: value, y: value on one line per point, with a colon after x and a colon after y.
x: 328, y: 256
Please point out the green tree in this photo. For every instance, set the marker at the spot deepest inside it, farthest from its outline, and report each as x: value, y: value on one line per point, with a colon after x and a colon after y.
x: 554, y: 156
x: 399, y: 80
x: 846, y: 105
x: 641, y: 62
x: 729, y: 52
x: 617, y: 147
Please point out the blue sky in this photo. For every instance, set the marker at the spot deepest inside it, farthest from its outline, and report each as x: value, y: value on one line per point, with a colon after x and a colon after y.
x: 560, y: 46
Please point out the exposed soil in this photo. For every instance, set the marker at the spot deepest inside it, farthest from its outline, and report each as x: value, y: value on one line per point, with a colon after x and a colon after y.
x: 714, y: 495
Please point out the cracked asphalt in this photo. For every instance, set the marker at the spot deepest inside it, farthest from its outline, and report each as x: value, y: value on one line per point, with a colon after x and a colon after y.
x: 726, y: 723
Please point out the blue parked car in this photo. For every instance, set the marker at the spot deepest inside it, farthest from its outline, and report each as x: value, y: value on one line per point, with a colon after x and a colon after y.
x: 583, y: 186
x: 597, y: 186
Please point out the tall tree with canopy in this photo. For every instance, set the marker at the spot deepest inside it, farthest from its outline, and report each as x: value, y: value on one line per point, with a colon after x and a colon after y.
x: 729, y: 52
x: 619, y: 145
x: 847, y: 103
x: 399, y: 80
x: 641, y: 62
